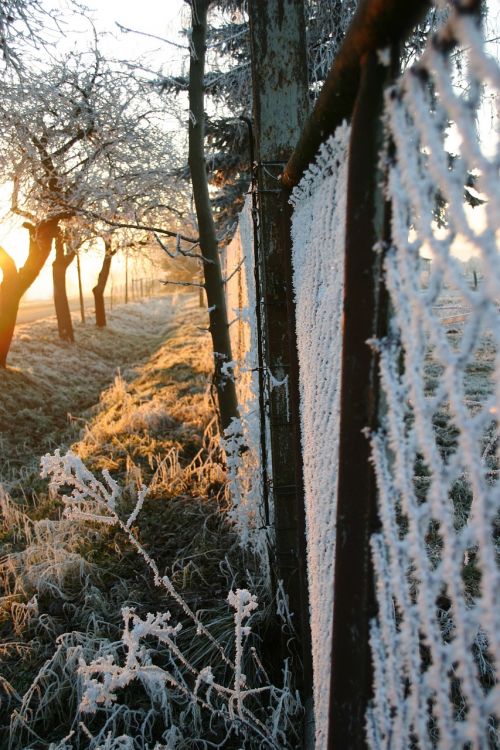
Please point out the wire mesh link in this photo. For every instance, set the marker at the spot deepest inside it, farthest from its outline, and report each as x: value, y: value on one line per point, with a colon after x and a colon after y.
x: 435, y: 643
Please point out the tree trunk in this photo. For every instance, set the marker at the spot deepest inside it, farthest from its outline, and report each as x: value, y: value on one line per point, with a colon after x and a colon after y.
x: 80, y: 289
x: 9, y: 304
x: 100, y: 287
x: 214, y: 284
x: 15, y: 283
x: 59, y: 268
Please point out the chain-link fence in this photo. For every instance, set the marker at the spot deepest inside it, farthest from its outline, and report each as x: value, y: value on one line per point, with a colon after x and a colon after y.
x: 429, y: 365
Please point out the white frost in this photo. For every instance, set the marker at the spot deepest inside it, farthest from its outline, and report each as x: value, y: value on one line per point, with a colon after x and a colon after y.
x: 318, y: 247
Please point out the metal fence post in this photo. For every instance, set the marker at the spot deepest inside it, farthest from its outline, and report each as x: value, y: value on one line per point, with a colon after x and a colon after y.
x: 354, y: 601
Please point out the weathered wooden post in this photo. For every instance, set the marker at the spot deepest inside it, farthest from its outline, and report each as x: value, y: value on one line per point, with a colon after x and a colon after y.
x: 126, y: 277
x: 280, y: 90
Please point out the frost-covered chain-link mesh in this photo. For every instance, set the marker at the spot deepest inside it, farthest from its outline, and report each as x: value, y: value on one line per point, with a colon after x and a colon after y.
x: 318, y: 233
x: 247, y: 512
x: 435, y: 643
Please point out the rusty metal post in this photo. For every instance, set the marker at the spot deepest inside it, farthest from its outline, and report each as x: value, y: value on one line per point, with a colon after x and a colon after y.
x: 364, y: 308
x: 302, y: 616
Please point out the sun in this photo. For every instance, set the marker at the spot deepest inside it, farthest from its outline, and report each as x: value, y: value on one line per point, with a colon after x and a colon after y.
x: 13, y: 237
x: 15, y: 240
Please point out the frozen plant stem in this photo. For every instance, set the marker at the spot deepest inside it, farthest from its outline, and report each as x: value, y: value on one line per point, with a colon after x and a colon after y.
x: 70, y: 470
x: 93, y: 500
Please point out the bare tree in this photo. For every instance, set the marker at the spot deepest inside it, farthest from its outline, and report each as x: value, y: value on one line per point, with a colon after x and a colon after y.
x: 214, y: 283
x: 78, y: 139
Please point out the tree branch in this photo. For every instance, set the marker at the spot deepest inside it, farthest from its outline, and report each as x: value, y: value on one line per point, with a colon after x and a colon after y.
x: 180, y: 251
x: 183, y: 283
x: 129, y: 225
x: 127, y: 30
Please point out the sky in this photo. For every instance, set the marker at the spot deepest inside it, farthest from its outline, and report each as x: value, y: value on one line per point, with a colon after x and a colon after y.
x: 163, y: 19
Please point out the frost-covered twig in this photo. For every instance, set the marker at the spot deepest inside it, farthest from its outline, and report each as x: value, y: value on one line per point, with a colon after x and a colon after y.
x: 103, y: 676
x: 91, y: 501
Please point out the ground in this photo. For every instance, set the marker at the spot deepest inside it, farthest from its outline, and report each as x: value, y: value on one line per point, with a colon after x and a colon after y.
x: 66, y: 582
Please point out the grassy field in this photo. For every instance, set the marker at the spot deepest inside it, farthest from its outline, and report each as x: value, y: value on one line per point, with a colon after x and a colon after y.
x: 49, y: 383
x: 65, y: 582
